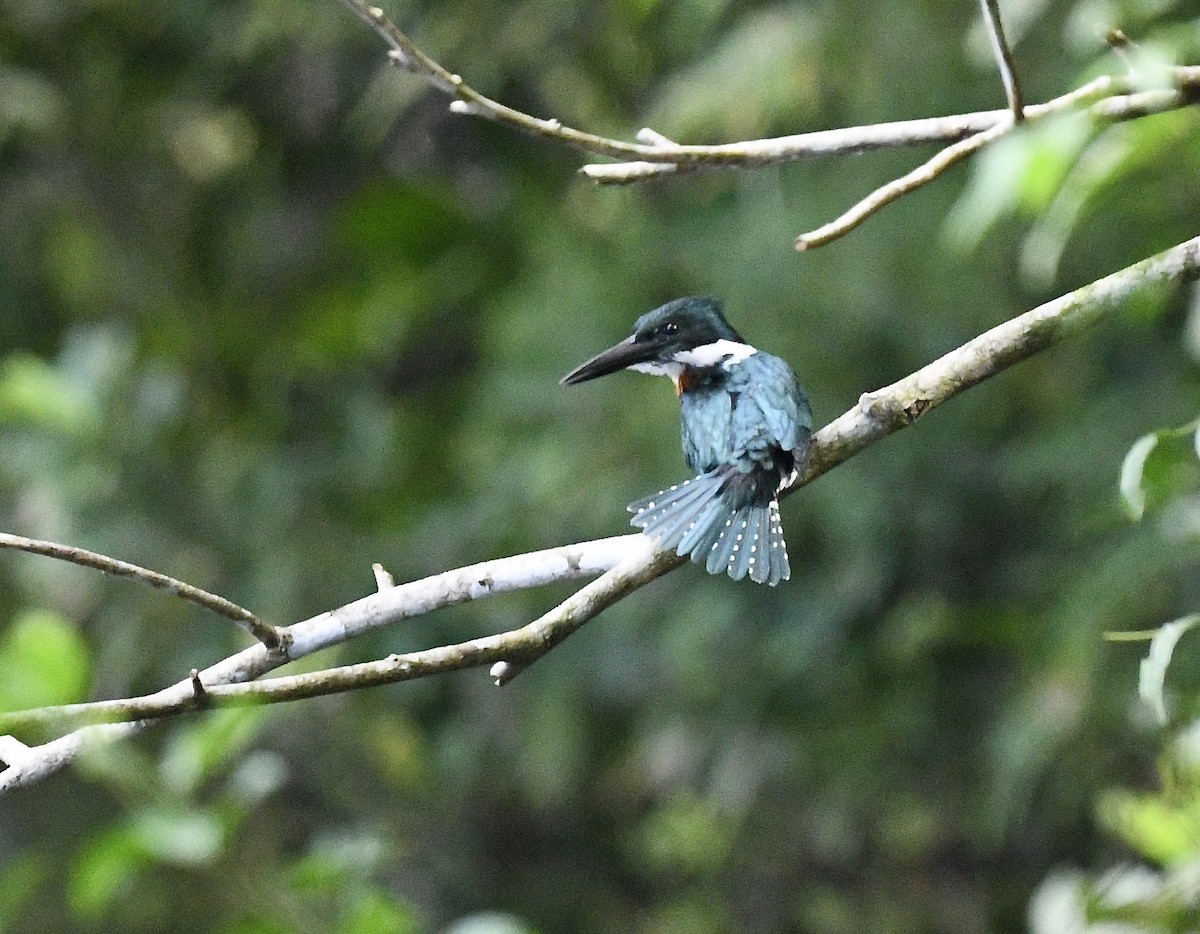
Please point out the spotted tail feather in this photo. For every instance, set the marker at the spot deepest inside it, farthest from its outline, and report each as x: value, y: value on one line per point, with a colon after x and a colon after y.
x: 693, y: 519
x: 672, y: 514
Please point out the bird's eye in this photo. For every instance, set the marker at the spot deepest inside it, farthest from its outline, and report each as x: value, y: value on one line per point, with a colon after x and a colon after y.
x: 670, y: 327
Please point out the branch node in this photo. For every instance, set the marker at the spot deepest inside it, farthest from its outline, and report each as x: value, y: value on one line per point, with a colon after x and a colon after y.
x: 623, y: 173
x: 383, y: 577
x: 467, y: 108
x: 874, y: 405
x: 501, y: 673
x: 199, y: 695
x: 268, y: 635
x: 651, y: 137
x: 13, y: 751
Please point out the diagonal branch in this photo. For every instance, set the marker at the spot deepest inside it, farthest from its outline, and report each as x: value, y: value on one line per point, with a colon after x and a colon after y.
x: 628, y: 562
x: 389, y: 605
x: 405, y: 54
x: 879, y: 414
x: 883, y: 196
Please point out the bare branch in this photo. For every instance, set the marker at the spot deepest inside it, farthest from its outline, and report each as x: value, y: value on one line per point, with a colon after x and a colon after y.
x: 1115, y: 107
x: 265, y: 633
x: 1004, y: 58
x: 882, y: 197
x: 881, y: 413
x: 1110, y: 97
x: 388, y: 606
x: 516, y: 649
x: 655, y: 155
x: 405, y: 54
x: 877, y: 415
x: 1110, y: 94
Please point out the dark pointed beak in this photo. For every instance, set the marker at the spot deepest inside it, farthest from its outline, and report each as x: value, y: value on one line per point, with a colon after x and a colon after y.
x: 624, y: 354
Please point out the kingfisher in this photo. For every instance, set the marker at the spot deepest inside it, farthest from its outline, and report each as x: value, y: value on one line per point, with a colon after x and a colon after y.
x: 746, y: 427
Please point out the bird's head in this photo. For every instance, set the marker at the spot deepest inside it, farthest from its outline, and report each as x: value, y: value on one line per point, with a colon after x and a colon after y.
x: 665, y: 340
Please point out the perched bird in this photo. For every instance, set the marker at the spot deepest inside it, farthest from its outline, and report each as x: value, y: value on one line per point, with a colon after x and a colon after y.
x: 746, y: 427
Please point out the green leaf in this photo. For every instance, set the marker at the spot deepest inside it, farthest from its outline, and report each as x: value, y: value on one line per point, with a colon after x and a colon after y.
x: 108, y: 867
x: 376, y: 912
x: 1132, y: 470
x: 181, y: 836
x: 1158, y: 828
x: 197, y: 751
x: 1154, y: 666
x: 1019, y: 175
x: 34, y: 392
x: 1158, y: 467
x: 44, y: 660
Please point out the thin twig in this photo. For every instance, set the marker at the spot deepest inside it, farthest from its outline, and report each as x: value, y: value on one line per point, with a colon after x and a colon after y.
x: 1113, y: 108
x: 1108, y: 94
x: 885, y: 195
x: 877, y: 415
x: 405, y: 54
x: 656, y: 155
x: 265, y: 633
x: 1004, y: 58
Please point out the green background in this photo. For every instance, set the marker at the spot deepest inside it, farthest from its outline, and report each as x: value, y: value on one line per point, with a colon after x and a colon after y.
x: 269, y: 313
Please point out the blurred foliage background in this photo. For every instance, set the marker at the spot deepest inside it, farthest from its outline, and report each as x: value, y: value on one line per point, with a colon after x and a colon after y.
x: 268, y: 313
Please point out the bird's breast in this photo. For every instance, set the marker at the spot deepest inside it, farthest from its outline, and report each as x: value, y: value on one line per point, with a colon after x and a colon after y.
x: 707, y: 425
